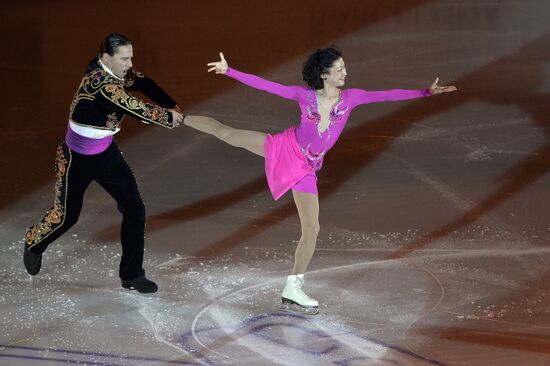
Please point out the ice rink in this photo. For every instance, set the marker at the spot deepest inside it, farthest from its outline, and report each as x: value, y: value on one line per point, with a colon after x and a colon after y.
x: 434, y: 243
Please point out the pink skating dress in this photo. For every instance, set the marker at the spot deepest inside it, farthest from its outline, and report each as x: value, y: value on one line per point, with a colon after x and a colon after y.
x: 293, y: 156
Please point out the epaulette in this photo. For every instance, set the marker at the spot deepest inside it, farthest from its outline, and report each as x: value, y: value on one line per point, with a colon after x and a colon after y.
x: 130, y: 77
x: 97, y: 79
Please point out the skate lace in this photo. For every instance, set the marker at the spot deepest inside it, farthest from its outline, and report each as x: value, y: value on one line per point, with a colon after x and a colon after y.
x: 298, y: 287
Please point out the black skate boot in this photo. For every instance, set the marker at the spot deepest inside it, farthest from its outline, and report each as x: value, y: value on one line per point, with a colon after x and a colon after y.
x: 32, y: 261
x: 141, y: 284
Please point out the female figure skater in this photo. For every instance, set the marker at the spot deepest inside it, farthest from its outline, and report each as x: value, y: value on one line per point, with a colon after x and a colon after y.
x: 293, y: 156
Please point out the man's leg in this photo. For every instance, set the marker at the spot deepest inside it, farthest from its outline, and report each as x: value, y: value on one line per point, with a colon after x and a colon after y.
x: 72, y: 179
x: 118, y: 180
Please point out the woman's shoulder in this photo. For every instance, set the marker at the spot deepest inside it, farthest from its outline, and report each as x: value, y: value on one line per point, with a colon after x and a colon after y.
x: 352, y: 91
x: 301, y: 91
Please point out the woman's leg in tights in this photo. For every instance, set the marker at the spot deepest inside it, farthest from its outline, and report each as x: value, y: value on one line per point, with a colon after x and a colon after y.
x: 306, y: 203
x: 308, y: 211
x: 252, y: 141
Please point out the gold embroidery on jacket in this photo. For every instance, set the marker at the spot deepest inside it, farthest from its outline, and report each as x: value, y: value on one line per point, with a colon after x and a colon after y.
x: 98, y: 81
x: 89, y: 86
x: 147, y: 112
x: 112, y: 121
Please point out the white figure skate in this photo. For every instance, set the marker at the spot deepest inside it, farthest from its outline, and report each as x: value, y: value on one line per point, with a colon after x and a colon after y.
x: 294, y: 298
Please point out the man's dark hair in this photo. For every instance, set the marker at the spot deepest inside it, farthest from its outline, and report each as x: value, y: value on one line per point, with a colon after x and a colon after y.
x: 108, y: 46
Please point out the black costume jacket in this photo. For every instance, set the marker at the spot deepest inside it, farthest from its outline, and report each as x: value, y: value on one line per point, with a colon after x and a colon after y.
x: 102, y: 100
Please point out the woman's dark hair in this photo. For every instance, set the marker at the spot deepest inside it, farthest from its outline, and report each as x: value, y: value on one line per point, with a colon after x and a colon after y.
x: 109, y: 46
x: 317, y: 64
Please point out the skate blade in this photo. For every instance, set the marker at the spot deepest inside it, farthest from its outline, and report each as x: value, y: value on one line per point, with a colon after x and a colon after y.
x: 294, y: 308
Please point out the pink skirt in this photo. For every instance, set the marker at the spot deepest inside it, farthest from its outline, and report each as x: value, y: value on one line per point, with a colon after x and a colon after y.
x: 285, y: 165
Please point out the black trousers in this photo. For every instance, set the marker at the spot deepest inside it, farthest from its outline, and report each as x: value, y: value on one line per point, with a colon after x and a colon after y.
x: 74, y: 173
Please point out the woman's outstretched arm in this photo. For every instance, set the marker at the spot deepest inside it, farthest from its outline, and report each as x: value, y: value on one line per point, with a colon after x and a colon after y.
x: 364, y: 97
x: 288, y: 92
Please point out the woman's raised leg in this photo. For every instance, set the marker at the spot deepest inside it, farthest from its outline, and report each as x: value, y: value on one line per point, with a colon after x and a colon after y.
x: 252, y: 141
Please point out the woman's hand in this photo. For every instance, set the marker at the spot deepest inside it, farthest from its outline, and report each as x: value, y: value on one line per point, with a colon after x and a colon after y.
x: 436, y: 89
x: 220, y: 66
x: 177, y: 118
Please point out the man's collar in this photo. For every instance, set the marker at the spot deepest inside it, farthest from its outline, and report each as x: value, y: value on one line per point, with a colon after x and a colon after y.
x: 107, y: 69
